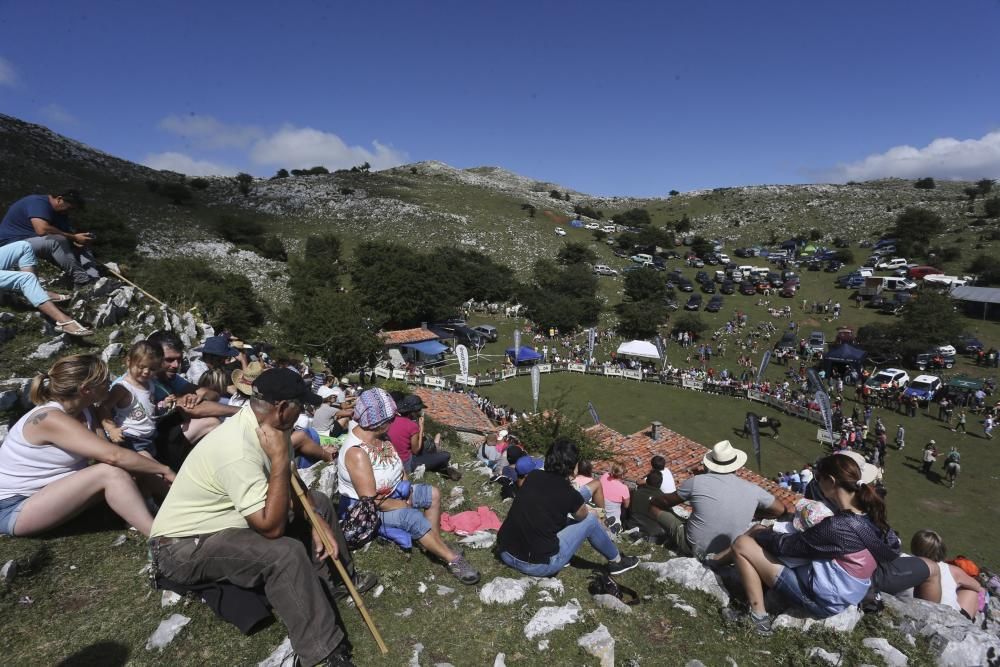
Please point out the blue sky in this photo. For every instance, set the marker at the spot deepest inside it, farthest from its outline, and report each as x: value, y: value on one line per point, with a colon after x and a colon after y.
x: 603, y: 97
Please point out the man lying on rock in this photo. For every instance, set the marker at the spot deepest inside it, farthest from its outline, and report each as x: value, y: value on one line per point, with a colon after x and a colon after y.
x: 226, y: 519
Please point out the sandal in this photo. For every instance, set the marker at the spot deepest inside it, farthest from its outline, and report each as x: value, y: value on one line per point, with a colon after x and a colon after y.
x: 79, y: 329
x: 59, y: 298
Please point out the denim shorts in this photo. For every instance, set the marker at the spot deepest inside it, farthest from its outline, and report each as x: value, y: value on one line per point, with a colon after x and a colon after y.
x: 407, y: 519
x: 422, y: 496
x: 9, y: 509
x: 795, y: 586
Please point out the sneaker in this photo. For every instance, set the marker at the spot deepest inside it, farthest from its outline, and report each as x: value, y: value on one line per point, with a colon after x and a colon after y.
x: 761, y: 624
x: 624, y: 564
x: 339, y: 658
x: 454, y: 474
x: 463, y: 571
x: 363, y: 582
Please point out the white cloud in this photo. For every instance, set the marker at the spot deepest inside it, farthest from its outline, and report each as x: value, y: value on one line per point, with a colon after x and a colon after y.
x: 185, y: 164
x: 57, y: 115
x: 207, y: 132
x: 967, y: 159
x: 303, y: 147
x: 8, y: 76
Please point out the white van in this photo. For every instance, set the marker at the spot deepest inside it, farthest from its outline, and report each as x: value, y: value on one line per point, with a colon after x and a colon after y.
x: 642, y: 258
x: 898, y: 284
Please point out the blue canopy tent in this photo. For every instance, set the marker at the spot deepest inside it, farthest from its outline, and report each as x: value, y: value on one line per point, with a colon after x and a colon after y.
x: 845, y: 354
x: 525, y: 355
x: 426, y: 351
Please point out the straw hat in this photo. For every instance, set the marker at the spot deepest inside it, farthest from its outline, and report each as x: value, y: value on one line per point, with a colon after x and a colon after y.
x: 724, y: 458
x: 243, y: 379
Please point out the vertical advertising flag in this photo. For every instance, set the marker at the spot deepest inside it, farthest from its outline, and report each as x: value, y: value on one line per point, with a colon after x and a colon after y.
x: 593, y: 412
x: 815, y: 383
x: 462, y: 353
x: 823, y: 399
x: 752, y: 426
x: 591, y: 340
x: 517, y: 345
x: 536, y: 379
x: 764, y: 361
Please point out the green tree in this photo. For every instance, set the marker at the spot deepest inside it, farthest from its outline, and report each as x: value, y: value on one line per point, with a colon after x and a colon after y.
x: 929, y: 320
x: 640, y: 319
x: 991, y: 207
x: 538, y: 432
x: 346, y: 339
x: 476, y: 274
x: 913, y: 230
x: 971, y: 193
x: 555, y: 194
x: 880, y: 339
x: 244, y: 181
x: 574, y: 252
x: 634, y: 217
x: 645, y: 285
x: 701, y: 246
x: 925, y: 183
x: 178, y: 193
x: 689, y: 322
x: 599, y: 235
x: 673, y: 193
x: 984, y: 186
x: 282, y: 173
x: 561, y: 296
x: 529, y: 208
x: 845, y: 255
x: 271, y: 247
x: 319, y: 268
x: 114, y: 238
x: 986, y: 268
x: 317, y: 171
x: 683, y: 225
x: 587, y: 212
x: 199, y: 183
x: 815, y: 235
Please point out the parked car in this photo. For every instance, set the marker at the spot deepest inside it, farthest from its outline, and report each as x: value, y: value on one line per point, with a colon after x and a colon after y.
x: 833, y: 266
x: 887, y: 376
x: 685, y: 285
x: 968, y: 344
x: 609, y: 229
x: 788, y: 341
x: 743, y: 252
x: 487, y: 331
x: 918, y: 272
x: 947, y: 350
x: 560, y: 231
x: 816, y: 342
x: 642, y: 258
x: 714, y: 304
x: 748, y: 288
x: 814, y: 265
x: 696, y: 262
x: 604, y: 270
x: 787, y: 291
x: 890, y: 264
x: 694, y: 303
x: 844, y: 335
x: 701, y: 276
x: 708, y: 287
x: 723, y: 258
x: 933, y: 359
x: 774, y: 279
x: 895, y: 304
x: 727, y: 287
x: 923, y: 387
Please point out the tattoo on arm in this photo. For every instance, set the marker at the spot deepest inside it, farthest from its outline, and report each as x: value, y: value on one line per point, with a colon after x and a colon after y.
x: 37, y: 419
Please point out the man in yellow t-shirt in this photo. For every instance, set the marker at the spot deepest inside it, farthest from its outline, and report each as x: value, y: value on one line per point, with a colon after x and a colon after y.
x: 227, y: 519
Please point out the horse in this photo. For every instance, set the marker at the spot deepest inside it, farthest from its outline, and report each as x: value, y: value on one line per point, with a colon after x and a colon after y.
x: 765, y: 422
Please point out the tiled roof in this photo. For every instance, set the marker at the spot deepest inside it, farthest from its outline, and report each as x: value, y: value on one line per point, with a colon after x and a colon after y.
x: 683, y: 456
x: 391, y: 338
x: 456, y: 410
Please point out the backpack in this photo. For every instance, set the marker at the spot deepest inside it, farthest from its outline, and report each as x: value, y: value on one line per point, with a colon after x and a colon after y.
x: 966, y: 564
x: 603, y: 584
x: 360, y: 523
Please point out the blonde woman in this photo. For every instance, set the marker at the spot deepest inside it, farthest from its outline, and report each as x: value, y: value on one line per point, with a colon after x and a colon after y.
x: 45, y: 476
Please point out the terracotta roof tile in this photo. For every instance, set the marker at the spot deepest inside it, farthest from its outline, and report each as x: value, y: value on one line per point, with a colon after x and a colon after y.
x: 400, y: 336
x: 683, y: 456
x: 456, y: 410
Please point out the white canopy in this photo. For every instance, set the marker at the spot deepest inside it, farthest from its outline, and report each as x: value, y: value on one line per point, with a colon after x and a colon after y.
x: 639, y: 348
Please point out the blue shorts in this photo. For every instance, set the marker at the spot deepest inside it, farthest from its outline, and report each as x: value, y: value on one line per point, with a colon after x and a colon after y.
x: 9, y: 509
x: 410, y: 519
x: 795, y: 585
x: 587, y: 494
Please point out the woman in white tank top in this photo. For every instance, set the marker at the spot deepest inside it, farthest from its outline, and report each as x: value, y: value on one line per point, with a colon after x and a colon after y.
x: 44, y: 476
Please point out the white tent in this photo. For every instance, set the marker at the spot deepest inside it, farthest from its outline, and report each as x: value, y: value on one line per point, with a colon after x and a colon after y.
x: 638, y: 348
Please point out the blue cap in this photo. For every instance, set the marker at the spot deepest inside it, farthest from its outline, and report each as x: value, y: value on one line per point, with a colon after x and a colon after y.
x: 526, y: 464
x: 219, y: 346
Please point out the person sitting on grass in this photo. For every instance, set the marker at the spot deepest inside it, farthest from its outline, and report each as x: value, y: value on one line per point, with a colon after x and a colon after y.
x: 405, y: 434
x: 17, y: 272
x: 537, y: 538
x: 130, y: 415
x: 46, y: 477
x: 953, y: 587
x: 369, y: 467
x: 659, y: 464
x: 617, y: 497
x: 828, y: 567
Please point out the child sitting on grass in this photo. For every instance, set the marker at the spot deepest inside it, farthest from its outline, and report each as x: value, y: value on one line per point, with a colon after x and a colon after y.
x: 130, y: 415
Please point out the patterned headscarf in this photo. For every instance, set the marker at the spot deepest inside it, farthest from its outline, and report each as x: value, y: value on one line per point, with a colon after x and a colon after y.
x: 374, y: 408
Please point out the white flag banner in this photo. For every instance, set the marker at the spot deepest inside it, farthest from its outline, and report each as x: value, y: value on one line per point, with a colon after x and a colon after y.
x: 517, y: 345
x: 536, y: 380
x: 462, y: 353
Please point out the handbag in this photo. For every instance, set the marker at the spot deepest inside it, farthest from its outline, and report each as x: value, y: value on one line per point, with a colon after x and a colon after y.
x: 361, y: 523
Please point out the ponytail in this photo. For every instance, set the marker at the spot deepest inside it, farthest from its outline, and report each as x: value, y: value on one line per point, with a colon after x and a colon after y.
x: 847, y: 474
x: 67, y: 377
x: 872, y: 504
x: 39, y: 391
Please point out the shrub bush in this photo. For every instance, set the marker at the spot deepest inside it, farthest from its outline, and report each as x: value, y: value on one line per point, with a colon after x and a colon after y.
x: 199, y: 183
x: 115, y: 240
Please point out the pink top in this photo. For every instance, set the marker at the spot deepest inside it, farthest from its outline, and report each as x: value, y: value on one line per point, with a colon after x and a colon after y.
x: 400, y: 432
x: 582, y: 480
x: 614, y: 489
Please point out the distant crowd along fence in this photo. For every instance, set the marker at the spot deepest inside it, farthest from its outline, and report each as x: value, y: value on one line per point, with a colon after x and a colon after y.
x: 724, y: 388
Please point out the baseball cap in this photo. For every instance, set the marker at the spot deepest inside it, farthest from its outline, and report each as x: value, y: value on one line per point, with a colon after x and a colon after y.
x: 283, y: 384
x: 525, y: 465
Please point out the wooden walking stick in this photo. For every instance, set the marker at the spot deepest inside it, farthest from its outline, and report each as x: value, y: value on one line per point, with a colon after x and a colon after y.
x: 123, y: 278
x: 314, y: 520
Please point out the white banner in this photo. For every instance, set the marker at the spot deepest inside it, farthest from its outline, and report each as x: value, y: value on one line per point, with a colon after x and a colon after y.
x: 755, y: 395
x: 634, y: 375
x: 689, y: 383
x: 462, y: 353
x: 465, y: 379
x: 613, y: 371
x: 383, y: 372
x: 435, y: 381
x: 544, y: 368
x: 508, y: 373
x: 399, y: 374
x: 536, y: 380
x: 579, y: 368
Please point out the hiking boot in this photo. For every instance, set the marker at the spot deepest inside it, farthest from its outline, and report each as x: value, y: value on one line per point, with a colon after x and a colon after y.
x: 624, y: 564
x: 341, y: 657
x: 363, y: 582
x: 761, y: 624
x: 452, y: 473
x: 463, y: 571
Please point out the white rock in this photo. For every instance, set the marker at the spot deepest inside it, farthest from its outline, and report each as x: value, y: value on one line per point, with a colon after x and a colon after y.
x: 378, y: 591
x: 422, y: 587
x: 48, y: 350
x: 114, y: 335
x: 111, y: 352
x: 690, y: 573
x: 599, y: 644
x: 611, y: 602
x: 549, y: 619
x: 482, y: 539
x: 543, y: 645
x: 309, y: 474
x: 544, y: 597
x: 169, y: 599
x: 797, y: 619
x: 951, y: 637
x: 419, y: 472
x: 406, y: 613
x: 504, y: 590
x: 500, y: 660
x: 145, y: 569
x: 283, y: 656
x: 457, y: 491
x: 893, y: 657
x: 694, y: 663
x: 6, y: 317
x: 820, y: 653
x: 166, y: 631
x: 8, y: 571
x: 328, y: 480
x: 415, y: 658
x: 455, y: 502
x: 444, y: 590
x: 550, y: 584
